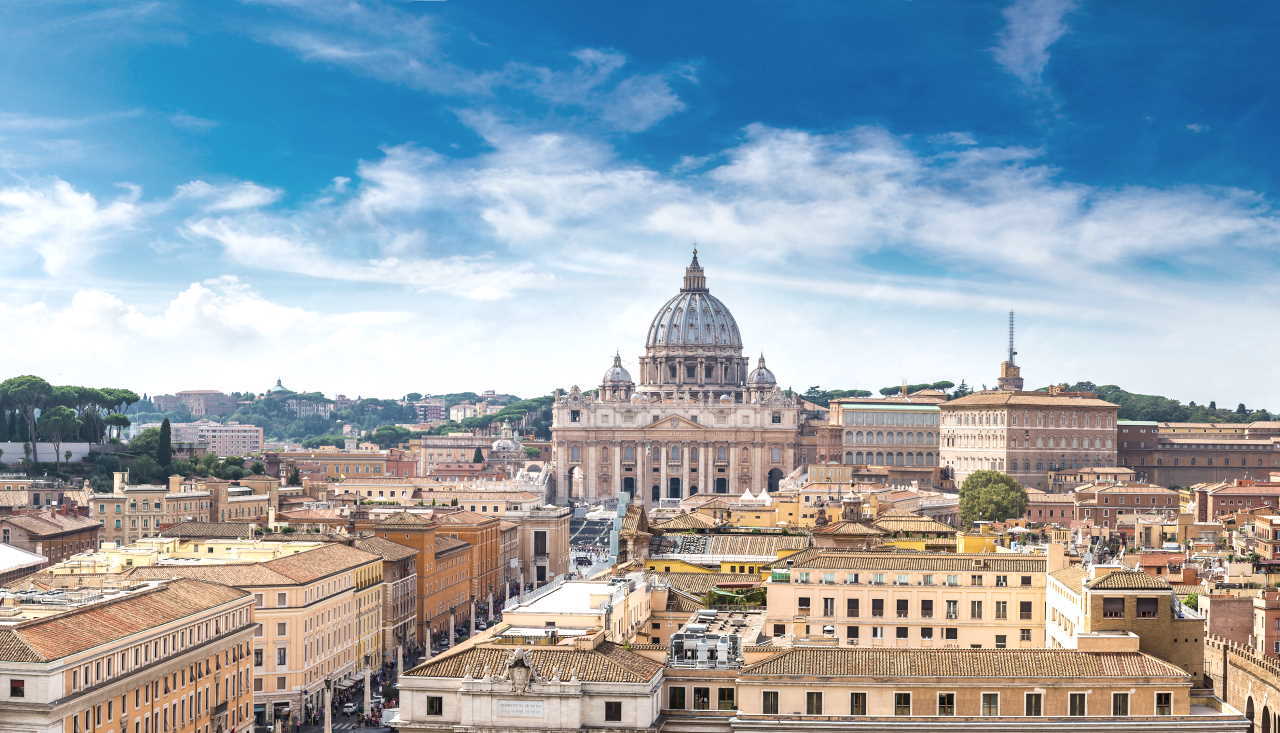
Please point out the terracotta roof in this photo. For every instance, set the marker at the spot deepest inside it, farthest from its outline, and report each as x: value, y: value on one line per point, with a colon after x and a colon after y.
x: 606, y: 663
x: 848, y: 528
x: 699, y: 583
x: 461, y: 517
x: 910, y: 561
x: 51, y: 523
x: 448, y: 544
x: 213, y: 530
x: 403, y: 519
x: 55, y: 637
x: 981, y: 399
x: 688, y: 520
x: 989, y: 663
x: 683, y: 602
x: 911, y: 523
x: 1128, y: 580
x: 1072, y: 576
x: 247, y: 575
x: 635, y: 520
x: 384, y: 548
x: 753, y: 544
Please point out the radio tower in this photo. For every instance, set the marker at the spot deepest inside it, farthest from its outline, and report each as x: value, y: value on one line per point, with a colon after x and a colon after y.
x: 1012, y: 353
x: 1010, y: 375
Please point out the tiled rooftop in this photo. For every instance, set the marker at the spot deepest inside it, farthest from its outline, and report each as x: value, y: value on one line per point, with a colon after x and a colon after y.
x: 606, y: 663
x: 987, y: 663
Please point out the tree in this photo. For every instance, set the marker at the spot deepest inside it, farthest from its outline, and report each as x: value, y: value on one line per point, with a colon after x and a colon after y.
x: 257, y: 468
x: 57, y: 423
x: 164, y: 445
x: 531, y: 452
x: 991, y: 496
x: 117, y: 421
x: 961, y: 391
x: 413, y: 397
x: 943, y: 385
x: 1241, y: 410
x: 27, y: 394
x: 295, y: 477
x: 389, y: 436
x: 477, y: 457
x: 1213, y: 405
x: 887, y: 391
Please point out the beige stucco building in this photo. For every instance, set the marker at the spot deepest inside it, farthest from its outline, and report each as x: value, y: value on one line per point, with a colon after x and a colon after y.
x: 158, y: 656
x: 911, y: 600
x: 1026, y: 434
x: 699, y: 421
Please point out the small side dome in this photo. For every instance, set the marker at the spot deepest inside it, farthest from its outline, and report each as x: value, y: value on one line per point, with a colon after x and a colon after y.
x: 617, y: 374
x: 504, y: 445
x: 761, y: 376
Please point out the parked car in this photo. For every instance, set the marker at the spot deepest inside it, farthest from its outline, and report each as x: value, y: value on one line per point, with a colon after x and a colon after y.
x: 349, y: 708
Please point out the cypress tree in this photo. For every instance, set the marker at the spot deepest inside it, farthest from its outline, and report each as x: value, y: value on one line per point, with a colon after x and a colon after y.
x: 164, y: 448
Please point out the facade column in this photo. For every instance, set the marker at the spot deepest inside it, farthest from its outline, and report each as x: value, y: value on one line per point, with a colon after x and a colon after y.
x: 328, y: 706
x: 368, y: 692
x: 702, y: 371
x: 453, y: 624
x: 618, y: 476
x: 662, y: 468
x: 472, y: 631
x: 684, y: 469
x: 399, y: 661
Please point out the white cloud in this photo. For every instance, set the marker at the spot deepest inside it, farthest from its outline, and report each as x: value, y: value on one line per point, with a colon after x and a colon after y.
x: 192, y: 123
x: 227, y: 197
x: 1198, y: 127
x: 396, y: 46
x: 954, y: 138
x: 64, y: 227
x: 1031, y: 28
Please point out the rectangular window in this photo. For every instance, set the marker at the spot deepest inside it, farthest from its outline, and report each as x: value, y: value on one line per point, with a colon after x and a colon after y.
x: 779, y: 630
x: 877, y: 632
x: 813, y: 703
x: 769, y: 702
x: 435, y: 705
x: 1024, y: 634
x: 725, y: 699
x: 851, y: 632
x: 1113, y: 608
x: 1002, y: 581
x: 902, y: 703
x: 1026, y: 580
x: 975, y: 609
x: 1034, y: 705
x: 1024, y: 610
x: 282, y: 599
x: 702, y: 698
x: 975, y: 580
x: 877, y: 606
x: 675, y: 698
x: 953, y: 609
x: 17, y: 688
x: 828, y: 606
x: 950, y: 633
x: 612, y: 710
x: 901, y: 632
x: 991, y: 703
x: 902, y: 607
x: 857, y: 703
x: 926, y: 632
x: 1076, y: 705
x: 926, y: 608
x: 1002, y: 609
x: 1120, y: 704
x: 851, y: 607
x: 1002, y: 641
x: 282, y: 629
x: 282, y: 656
x: 946, y: 703
x: 1147, y: 607
x: 1164, y: 703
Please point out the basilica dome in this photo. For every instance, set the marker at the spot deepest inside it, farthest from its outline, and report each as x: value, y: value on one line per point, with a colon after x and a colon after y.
x: 617, y: 374
x: 694, y: 317
x: 761, y: 376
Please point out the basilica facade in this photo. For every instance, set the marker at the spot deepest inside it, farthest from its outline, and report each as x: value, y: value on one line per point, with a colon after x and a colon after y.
x: 700, y: 420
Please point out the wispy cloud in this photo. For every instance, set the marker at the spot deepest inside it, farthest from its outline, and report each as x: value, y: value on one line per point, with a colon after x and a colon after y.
x: 391, y: 44
x: 192, y: 123
x: 1031, y: 28
x: 62, y: 226
x: 1197, y: 127
x: 17, y: 122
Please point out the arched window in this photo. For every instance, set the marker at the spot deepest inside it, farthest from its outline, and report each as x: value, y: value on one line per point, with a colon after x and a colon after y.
x: 888, y: 459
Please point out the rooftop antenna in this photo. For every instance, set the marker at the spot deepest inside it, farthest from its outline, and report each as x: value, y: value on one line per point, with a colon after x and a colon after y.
x: 1012, y: 353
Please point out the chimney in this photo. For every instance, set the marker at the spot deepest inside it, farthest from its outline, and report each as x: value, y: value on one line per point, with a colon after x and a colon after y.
x: 1202, y: 505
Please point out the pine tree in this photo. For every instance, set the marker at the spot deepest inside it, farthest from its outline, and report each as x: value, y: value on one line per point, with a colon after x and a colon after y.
x: 478, y: 457
x: 164, y: 448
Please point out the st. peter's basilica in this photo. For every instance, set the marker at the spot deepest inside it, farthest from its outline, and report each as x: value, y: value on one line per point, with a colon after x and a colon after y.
x: 699, y: 421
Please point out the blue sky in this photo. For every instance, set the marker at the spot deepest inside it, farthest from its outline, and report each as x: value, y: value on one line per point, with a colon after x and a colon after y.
x: 380, y: 197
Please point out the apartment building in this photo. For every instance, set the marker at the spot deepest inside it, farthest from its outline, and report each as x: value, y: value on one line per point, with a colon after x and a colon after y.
x: 399, y: 592
x: 55, y: 533
x: 161, y: 655
x: 1104, y: 505
x: 199, y: 402
x: 1088, y: 606
x: 910, y: 600
x: 220, y: 439
x: 318, y: 605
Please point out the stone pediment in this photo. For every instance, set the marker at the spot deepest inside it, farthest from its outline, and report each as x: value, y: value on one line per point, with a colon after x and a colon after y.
x: 676, y: 422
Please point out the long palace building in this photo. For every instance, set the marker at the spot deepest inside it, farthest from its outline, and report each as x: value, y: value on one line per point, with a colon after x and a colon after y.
x: 699, y: 421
